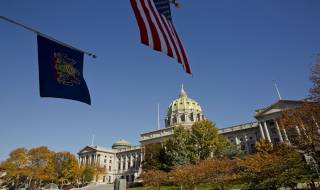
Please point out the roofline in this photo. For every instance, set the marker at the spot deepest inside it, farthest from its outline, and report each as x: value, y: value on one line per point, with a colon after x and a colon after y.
x: 263, y: 110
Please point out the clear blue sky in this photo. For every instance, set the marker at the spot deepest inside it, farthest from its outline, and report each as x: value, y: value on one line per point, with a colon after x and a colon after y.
x: 236, y: 48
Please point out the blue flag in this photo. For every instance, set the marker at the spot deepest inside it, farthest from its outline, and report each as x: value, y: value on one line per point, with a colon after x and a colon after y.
x: 60, y: 71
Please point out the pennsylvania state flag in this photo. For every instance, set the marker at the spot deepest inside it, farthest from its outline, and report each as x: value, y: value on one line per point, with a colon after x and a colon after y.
x: 60, y: 71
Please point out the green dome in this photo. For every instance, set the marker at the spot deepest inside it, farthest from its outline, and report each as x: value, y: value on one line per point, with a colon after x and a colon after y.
x: 183, y: 103
x: 121, y: 144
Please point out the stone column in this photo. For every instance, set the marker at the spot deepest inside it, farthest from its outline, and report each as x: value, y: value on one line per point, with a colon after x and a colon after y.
x: 278, y: 131
x: 237, y: 140
x: 261, y: 131
x: 126, y: 162
x: 285, y: 135
x: 121, y: 163
x: 246, y: 143
x: 267, y: 131
x: 298, y: 130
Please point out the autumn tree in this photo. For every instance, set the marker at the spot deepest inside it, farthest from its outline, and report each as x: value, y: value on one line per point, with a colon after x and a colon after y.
x: 303, y: 128
x: 282, y: 166
x: 16, y: 168
x: 41, y: 165
x: 66, y: 167
x: 187, y: 176
x: 154, y: 178
x: 218, y: 172
x: 315, y: 79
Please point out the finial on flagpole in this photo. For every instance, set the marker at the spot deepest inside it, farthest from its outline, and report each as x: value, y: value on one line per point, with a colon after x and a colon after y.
x: 275, y: 84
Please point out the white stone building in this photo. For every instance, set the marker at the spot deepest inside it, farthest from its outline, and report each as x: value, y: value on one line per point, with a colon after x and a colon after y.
x: 124, y: 161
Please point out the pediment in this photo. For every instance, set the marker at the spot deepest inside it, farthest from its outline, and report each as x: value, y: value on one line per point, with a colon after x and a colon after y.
x: 86, y: 150
x: 278, y: 106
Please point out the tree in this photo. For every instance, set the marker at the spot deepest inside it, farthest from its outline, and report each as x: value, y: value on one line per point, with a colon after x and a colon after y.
x: 16, y: 168
x: 41, y: 165
x: 302, y: 124
x: 87, y: 174
x: 315, y: 79
x: 206, y: 142
x: 219, y: 172
x: 187, y: 146
x: 152, y: 156
x: 282, y: 166
x: 187, y: 176
x: 264, y: 145
x: 178, y: 149
x: 66, y: 167
x: 154, y: 178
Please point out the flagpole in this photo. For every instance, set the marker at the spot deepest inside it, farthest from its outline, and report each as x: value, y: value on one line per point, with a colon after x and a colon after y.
x: 158, y: 118
x: 275, y: 84
x: 44, y: 35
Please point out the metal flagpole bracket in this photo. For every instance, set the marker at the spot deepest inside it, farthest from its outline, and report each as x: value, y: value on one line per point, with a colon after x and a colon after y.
x: 46, y: 36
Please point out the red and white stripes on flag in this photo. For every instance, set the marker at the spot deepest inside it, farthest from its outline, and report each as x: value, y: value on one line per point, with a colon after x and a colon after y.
x: 158, y: 32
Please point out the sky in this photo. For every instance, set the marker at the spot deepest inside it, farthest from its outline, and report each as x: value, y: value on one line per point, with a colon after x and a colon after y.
x: 237, y: 50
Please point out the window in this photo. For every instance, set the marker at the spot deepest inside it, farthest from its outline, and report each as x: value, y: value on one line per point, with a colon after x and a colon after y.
x: 250, y: 138
x: 182, y: 117
x: 109, y: 168
x: 243, y: 147
x: 105, y: 160
x: 241, y: 139
x: 110, y: 161
x: 191, y: 117
x: 174, y: 120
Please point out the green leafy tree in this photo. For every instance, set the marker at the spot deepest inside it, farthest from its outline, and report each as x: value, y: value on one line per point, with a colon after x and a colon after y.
x: 178, y: 149
x: 152, y: 156
x: 206, y: 142
x: 87, y: 174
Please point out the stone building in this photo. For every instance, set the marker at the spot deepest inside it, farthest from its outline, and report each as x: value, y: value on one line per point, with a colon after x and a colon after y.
x: 124, y: 161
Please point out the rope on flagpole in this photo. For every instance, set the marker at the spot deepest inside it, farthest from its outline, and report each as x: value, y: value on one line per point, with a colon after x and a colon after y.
x: 44, y: 35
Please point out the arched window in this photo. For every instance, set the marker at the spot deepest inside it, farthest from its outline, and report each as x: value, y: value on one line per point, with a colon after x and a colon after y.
x: 191, y: 117
x: 174, y: 120
x: 183, y: 118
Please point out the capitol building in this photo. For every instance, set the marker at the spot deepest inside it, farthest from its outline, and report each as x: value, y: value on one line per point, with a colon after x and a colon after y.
x: 123, y: 160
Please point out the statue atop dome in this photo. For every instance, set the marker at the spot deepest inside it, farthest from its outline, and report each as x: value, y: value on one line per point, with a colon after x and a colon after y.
x: 182, y: 92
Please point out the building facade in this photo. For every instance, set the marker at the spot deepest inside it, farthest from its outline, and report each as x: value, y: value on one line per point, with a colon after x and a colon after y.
x: 124, y: 161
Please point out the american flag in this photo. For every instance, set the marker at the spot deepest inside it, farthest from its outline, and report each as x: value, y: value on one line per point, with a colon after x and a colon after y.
x: 156, y: 29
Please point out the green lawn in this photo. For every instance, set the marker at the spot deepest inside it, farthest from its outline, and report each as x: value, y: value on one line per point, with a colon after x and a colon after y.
x: 200, y: 187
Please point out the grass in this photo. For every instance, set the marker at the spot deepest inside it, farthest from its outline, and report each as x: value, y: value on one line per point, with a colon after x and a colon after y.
x: 199, y: 187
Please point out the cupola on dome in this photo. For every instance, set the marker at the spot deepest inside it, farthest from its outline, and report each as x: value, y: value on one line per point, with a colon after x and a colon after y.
x: 120, y: 144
